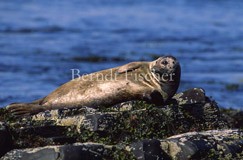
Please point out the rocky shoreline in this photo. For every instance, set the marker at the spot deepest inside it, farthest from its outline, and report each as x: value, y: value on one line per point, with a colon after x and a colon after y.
x: 190, y: 126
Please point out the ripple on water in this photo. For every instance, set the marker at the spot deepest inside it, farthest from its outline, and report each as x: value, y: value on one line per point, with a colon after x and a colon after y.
x: 41, y: 41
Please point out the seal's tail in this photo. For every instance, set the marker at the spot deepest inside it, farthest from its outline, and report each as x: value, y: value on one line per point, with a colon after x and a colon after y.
x: 24, y: 109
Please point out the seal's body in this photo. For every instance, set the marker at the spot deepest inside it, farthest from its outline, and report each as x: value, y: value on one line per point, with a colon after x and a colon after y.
x: 154, y: 82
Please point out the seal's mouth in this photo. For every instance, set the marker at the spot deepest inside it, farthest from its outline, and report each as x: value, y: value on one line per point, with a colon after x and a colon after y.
x: 165, y: 68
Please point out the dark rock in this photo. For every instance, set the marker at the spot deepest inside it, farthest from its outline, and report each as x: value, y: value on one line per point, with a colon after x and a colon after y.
x: 148, y: 149
x: 6, y: 143
x: 62, y: 140
x: 99, y: 121
x: 191, y: 96
x: 44, y: 131
x: 233, y: 117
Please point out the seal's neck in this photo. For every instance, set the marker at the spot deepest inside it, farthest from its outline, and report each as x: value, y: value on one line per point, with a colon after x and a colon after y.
x: 153, y: 73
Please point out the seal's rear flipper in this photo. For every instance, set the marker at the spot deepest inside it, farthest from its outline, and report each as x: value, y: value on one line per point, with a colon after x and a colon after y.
x: 24, y: 109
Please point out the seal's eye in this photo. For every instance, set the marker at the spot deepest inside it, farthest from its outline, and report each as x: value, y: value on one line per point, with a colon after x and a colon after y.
x: 164, y: 62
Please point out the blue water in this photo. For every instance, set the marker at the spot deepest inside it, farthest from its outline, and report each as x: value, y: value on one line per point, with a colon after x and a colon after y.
x: 40, y: 41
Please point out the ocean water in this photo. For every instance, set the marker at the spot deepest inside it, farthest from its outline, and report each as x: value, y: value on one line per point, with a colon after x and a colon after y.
x: 41, y: 41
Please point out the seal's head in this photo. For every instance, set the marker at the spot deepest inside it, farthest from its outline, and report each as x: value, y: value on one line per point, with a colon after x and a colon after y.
x: 167, y: 71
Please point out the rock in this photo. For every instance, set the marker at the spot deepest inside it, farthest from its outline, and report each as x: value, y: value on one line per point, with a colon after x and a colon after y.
x: 6, y: 143
x: 99, y: 121
x: 186, y: 112
x: 76, y: 151
x: 191, y: 96
x: 233, y: 117
x: 213, y: 144
x: 117, y: 126
x: 148, y: 150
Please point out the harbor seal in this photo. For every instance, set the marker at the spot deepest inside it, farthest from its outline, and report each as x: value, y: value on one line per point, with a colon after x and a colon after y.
x: 154, y: 82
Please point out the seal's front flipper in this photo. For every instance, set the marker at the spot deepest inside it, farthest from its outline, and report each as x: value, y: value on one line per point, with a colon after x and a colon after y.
x: 154, y: 97
x: 129, y: 67
x: 24, y: 109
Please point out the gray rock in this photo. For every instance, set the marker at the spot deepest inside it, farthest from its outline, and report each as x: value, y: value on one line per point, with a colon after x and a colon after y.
x: 213, y: 144
x: 75, y: 151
